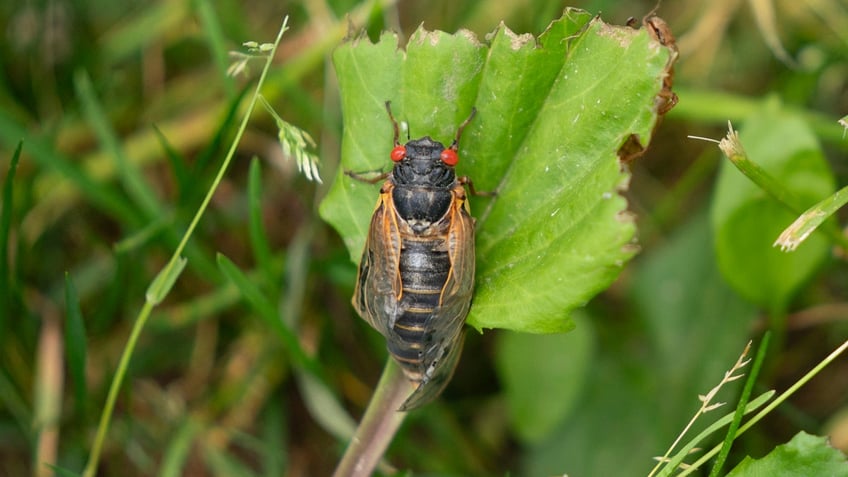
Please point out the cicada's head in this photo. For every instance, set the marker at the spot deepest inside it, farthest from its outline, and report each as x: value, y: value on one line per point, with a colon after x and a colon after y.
x: 424, y: 162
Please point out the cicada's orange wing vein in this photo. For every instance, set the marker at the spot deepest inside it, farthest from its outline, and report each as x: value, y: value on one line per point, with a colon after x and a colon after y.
x: 378, y: 286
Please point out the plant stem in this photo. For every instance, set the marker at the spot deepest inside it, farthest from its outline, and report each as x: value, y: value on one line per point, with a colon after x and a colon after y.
x: 378, y: 426
x: 174, y: 263
x: 731, y: 146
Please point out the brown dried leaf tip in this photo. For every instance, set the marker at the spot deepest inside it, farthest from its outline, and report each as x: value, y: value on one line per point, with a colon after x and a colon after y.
x: 661, y: 32
x: 666, y: 99
x: 631, y: 149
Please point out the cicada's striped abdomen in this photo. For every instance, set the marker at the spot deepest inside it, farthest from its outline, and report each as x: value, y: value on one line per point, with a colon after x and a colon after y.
x: 424, y: 267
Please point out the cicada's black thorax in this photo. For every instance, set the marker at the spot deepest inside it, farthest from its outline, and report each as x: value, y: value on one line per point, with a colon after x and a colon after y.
x: 423, y: 182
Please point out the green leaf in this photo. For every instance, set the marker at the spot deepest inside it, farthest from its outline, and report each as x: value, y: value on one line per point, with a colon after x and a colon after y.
x: 803, y: 455
x: 75, y: 344
x: 164, y: 281
x: 746, y: 220
x: 552, y: 113
x: 542, y: 377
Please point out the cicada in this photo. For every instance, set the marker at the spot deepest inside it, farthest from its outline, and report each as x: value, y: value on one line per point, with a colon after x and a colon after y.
x: 416, y: 275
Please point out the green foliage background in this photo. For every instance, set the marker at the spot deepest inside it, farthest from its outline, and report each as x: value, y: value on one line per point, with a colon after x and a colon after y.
x: 125, y: 112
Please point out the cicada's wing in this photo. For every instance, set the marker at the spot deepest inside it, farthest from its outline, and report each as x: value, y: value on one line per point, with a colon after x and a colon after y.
x: 443, y: 348
x: 378, y: 285
x: 442, y: 371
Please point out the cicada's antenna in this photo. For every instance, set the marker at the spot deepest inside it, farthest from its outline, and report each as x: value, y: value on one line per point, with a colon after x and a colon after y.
x: 455, y: 144
x: 394, y: 123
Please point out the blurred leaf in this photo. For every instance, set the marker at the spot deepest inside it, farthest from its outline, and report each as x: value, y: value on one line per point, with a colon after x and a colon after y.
x: 746, y: 220
x: 217, y: 42
x: 75, y: 344
x: 325, y: 408
x: 133, y: 181
x: 643, y: 389
x: 803, y: 455
x: 176, y: 161
x: 212, y: 151
x: 763, y: 11
x: 126, y: 39
x: 275, y: 443
x: 17, y: 405
x: 5, y: 228
x: 551, y: 119
x: 144, y: 235
x: 267, y: 312
x: 45, y: 154
x: 62, y: 472
x: 223, y: 464
x: 321, y: 402
x: 260, y: 303
x: 542, y: 377
x: 178, y: 449
x: 258, y: 237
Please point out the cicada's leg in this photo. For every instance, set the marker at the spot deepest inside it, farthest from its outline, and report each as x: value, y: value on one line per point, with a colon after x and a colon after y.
x: 465, y: 180
x: 363, y: 176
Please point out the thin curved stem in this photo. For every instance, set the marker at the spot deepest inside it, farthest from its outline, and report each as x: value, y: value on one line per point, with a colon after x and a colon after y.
x: 158, y: 290
x: 378, y: 426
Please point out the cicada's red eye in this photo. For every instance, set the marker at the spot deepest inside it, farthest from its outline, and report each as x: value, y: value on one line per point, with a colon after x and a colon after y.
x: 449, y: 157
x: 398, y: 153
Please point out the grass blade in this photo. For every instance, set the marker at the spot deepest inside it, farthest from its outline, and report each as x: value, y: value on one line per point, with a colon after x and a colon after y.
x: 75, y: 345
x: 740, y: 407
x: 675, y: 461
x: 62, y: 472
x: 217, y: 43
x: 178, y: 450
x: 777, y: 401
x: 157, y: 292
x: 5, y: 227
x: 268, y: 313
x: 810, y: 220
x: 731, y: 146
x: 274, y: 447
x: 258, y: 237
x: 131, y: 177
x: 43, y: 153
x: 176, y: 160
